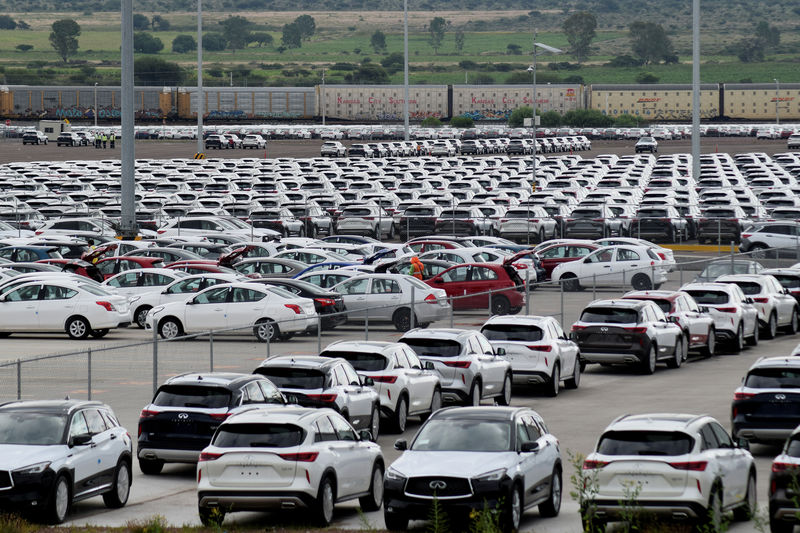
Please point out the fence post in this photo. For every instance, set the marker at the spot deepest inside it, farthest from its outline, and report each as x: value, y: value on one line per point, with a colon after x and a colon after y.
x: 452, y: 311
x: 19, y: 379
x: 719, y: 236
x: 269, y: 335
x: 732, y: 269
x: 528, y: 291
x: 210, y: 351
x: 155, y: 358
x: 413, y: 309
x: 366, y: 324
x: 594, y: 286
x: 89, y: 374
x: 561, y: 285
x: 652, y: 276
x: 319, y: 335
x: 680, y: 269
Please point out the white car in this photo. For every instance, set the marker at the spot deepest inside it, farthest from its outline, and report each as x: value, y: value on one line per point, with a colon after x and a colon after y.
x: 254, y: 141
x: 370, y: 220
x: 538, y: 349
x: 53, y: 305
x: 627, y: 265
x: 528, y: 224
x: 271, y: 312
x: 333, y: 149
x: 776, y: 307
x: 54, y: 453
x: 735, y: 317
x: 143, y: 280
x: 288, y: 458
x: 665, y: 254
x: 197, y: 226
x: 679, y: 466
x: 405, y: 385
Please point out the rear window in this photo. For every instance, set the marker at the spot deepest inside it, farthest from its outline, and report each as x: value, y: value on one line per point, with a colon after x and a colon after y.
x: 645, y: 443
x: 709, y: 297
x: 294, y: 378
x: 366, y: 362
x: 610, y: 315
x: 793, y: 448
x: 749, y: 288
x: 420, y: 212
x: 434, y: 347
x: 192, y: 396
x: 583, y: 213
x: 356, y: 212
x: 258, y: 436
x: 509, y: 332
x: 773, y: 378
x: 652, y: 213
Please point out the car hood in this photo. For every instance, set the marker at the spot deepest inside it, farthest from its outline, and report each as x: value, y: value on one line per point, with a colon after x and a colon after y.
x: 455, y: 464
x: 14, y: 456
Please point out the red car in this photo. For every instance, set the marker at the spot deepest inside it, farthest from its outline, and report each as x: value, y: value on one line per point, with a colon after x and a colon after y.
x: 111, y: 266
x: 468, y: 284
x: 76, y: 266
x: 556, y: 254
x: 428, y: 245
x: 200, y: 268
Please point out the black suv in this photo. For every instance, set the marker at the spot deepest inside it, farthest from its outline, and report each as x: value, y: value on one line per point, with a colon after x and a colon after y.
x: 782, y: 487
x: 217, y: 142
x: 418, y: 220
x: 187, y: 409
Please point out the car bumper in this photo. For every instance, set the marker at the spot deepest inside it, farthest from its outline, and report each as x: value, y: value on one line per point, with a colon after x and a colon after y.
x: 254, y: 500
x: 29, y: 492
x: 613, y: 510
x: 168, y: 456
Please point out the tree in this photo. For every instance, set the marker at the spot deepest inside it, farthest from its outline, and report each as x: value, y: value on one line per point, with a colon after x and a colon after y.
x: 140, y: 22
x: 183, y: 43
x: 514, y: 49
x: 462, y: 122
x: 214, y: 42
x: 146, y: 43
x: 291, y: 37
x: 580, y: 30
x: 431, y: 122
x: 646, y: 77
x: 649, y: 41
x: 306, y: 25
x: 378, y: 41
x: 22, y: 25
x: 236, y: 31
x: 159, y: 23
x: 550, y: 119
x: 64, y: 37
x: 24, y: 47
x: 7, y: 23
x: 261, y: 38
x: 770, y: 35
x: 151, y: 70
x: 750, y: 50
x: 393, y: 62
x: 369, y: 73
x: 436, y: 30
x: 519, y: 115
x: 587, y: 118
x: 459, y: 40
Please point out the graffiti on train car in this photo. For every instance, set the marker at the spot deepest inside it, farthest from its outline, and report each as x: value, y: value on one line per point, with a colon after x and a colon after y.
x: 413, y: 115
x: 76, y: 112
x: 488, y: 114
x: 238, y: 114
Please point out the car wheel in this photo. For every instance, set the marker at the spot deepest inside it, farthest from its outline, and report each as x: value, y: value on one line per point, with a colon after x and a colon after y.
x: 541, y: 238
x: 151, y: 467
x: 395, y: 521
x: 505, y: 394
x: 758, y: 251
x: 553, y: 386
x: 324, y: 504
x: 711, y: 344
x: 436, y: 404
x: 60, y: 500
x: 78, y: 328
x: 474, y: 398
x: 170, y: 328
x: 677, y: 358
x: 649, y: 363
x: 792, y: 327
x: 750, y: 505
x: 771, y: 331
x: 402, y: 319
x: 400, y: 418
x: 512, y: 515
x: 118, y: 495
x: 375, y: 423
x: 211, y: 516
x: 753, y: 340
x: 373, y: 500
x: 570, y: 283
x: 266, y: 330
x: 98, y: 333
x: 575, y: 381
x: 712, y: 521
x: 552, y: 506
x: 641, y: 282
x: 500, y: 305
x: 140, y: 316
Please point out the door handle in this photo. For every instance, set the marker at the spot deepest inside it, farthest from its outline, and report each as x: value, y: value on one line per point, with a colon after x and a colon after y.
x: 218, y: 309
x: 113, y: 436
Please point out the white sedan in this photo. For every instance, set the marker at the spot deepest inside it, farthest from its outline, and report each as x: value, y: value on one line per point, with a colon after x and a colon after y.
x: 629, y: 266
x: 271, y: 312
x: 53, y: 305
x: 143, y: 280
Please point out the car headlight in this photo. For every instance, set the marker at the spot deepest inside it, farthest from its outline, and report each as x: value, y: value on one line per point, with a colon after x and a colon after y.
x: 394, y: 474
x: 38, y: 468
x: 494, y: 475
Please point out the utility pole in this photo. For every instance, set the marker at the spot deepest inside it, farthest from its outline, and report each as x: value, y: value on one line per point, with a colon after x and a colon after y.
x: 200, y: 106
x: 128, y: 228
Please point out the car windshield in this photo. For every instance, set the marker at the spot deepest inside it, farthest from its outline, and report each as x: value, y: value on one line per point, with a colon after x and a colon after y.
x: 193, y: 396
x: 258, y: 436
x: 645, y: 443
x: 366, y: 362
x: 464, y: 435
x: 608, y: 315
x: 512, y: 332
x: 294, y: 378
x: 773, y: 378
x: 704, y: 297
x: 27, y: 428
x: 434, y: 347
x: 748, y: 287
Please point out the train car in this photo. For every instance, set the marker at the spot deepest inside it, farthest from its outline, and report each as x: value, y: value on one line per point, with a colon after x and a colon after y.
x: 382, y: 102
x: 497, y: 102
x: 248, y: 103
x: 656, y: 102
x: 761, y: 101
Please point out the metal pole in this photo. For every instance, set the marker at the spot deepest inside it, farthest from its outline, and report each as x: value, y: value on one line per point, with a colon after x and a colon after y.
x: 89, y: 374
x: 155, y: 358
x: 319, y: 334
x: 19, y: 379
x: 561, y: 285
x: 777, y: 101
x: 405, y: 69
x: 732, y: 270
x: 268, y: 342
x: 200, y: 106
x: 323, y: 97
x: 696, y: 89
x: 594, y: 286
x: 527, y: 291
x: 210, y: 351
x: 128, y: 215
x: 533, y: 115
x: 95, y: 104
x: 413, y: 308
x: 452, y: 311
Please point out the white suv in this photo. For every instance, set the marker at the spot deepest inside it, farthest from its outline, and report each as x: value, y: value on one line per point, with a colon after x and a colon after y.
x: 288, y: 458
x: 735, y: 318
x: 677, y: 466
x: 538, y: 349
x: 406, y: 387
x: 776, y: 307
x: 469, y: 368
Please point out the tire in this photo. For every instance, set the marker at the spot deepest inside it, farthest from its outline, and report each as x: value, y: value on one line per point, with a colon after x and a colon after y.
x: 400, y: 417
x: 570, y: 283
x: 374, y: 500
x: 121, y: 488
x: 170, y: 328
x: 792, y: 327
x: 641, y: 282
x: 745, y: 512
x: 648, y: 365
x: 266, y: 330
x: 711, y: 344
x: 98, y: 333
x: 150, y: 467
x: 505, y: 395
x: 552, y: 506
x: 753, y: 340
x: 323, y: 506
x: 677, y: 358
x: 78, y: 328
x: 436, y: 404
x: 758, y: 251
x: 375, y: 423
x: 499, y: 304
x: 575, y: 381
x: 60, y: 501
x: 712, y: 521
x: 771, y: 330
x: 402, y: 319
x: 140, y: 315
x: 395, y: 521
x: 512, y: 510
x: 474, y: 398
x: 553, y: 386
x: 541, y: 237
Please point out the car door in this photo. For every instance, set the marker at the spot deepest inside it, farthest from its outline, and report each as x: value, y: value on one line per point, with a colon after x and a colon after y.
x: 568, y: 350
x: 597, y: 267
x: 19, y: 309
x: 126, y: 283
x: 627, y: 263
x: 739, y: 458
x: 245, y: 306
x: 723, y: 462
x: 106, y: 448
x: 420, y: 382
x: 207, y: 310
x: 360, y: 399
x: 349, y: 462
x: 354, y: 293
x: 455, y: 282
x: 666, y: 332
x: 56, y: 305
x: 82, y: 460
x: 543, y: 461
x: 494, y: 367
x: 385, y: 297
x: 482, y: 280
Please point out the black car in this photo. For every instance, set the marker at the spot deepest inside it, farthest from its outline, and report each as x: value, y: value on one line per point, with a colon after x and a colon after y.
x: 187, y: 409
x: 418, y: 220
x: 783, y: 481
x: 217, y: 142
x: 329, y: 305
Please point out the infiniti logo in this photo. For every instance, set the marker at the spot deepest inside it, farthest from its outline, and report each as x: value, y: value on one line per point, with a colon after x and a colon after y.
x: 437, y: 485
x: 780, y: 396
x: 603, y: 329
x: 183, y: 416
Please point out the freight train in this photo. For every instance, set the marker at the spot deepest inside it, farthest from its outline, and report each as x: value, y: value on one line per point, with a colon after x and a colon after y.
x: 385, y: 103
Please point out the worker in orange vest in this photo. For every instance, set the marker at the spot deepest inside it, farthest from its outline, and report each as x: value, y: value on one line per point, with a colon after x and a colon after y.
x: 417, y: 268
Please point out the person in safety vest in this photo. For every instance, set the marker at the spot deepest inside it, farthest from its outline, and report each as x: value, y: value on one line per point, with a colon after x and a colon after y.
x: 417, y: 268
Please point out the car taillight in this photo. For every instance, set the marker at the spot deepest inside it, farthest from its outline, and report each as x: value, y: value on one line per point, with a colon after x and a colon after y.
x: 107, y: 305
x: 520, y: 266
x: 458, y: 364
x: 294, y: 307
x: 146, y: 413
x: 431, y: 299
x: 368, y: 218
x: 782, y: 467
x: 591, y: 464
x: 662, y: 256
x: 219, y: 416
x: 325, y: 302
x: 694, y: 466
x: 761, y: 300
x: 208, y: 456
x: 742, y: 395
x: 725, y: 309
x: 38, y: 232
x: 746, y: 235
x: 575, y: 327
x: 325, y: 398
x: 161, y: 231
x: 302, y: 457
x: 384, y: 379
x: 637, y: 329
x: 541, y: 348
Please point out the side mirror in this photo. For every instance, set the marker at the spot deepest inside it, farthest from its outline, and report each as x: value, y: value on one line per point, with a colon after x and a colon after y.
x: 437, y: 279
x: 529, y: 447
x: 367, y: 381
x: 787, y: 291
x: 499, y: 351
x: 673, y: 319
x: 365, y: 435
x: 291, y: 399
x: 743, y: 444
x: 401, y: 445
x: 429, y: 365
x: 703, y: 309
x: 749, y: 300
x: 80, y: 440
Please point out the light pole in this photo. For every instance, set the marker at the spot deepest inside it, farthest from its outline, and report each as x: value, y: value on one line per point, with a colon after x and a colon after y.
x: 405, y: 70
x: 777, y: 101
x: 696, y: 89
x: 95, y: 104
x: 323, y: 97
x: 200, y: 106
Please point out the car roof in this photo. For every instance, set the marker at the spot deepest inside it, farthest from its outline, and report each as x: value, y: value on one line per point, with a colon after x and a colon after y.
x: 656, y: 422
x: 777, y: 362
x: 305, y: 361
x: 211, y: 379
x: 530, y: 320
x: 274, y: 414
x: 651, y: 295
x: 361, y: 346
x: 442, y: 333
x: 50, y: 406
x: 482, y: 412
x: 619, y: 302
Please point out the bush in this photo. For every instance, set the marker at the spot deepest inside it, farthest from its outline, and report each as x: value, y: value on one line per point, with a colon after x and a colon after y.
x: 627, y: 120
x: 145, y: 43
x: 183, y: 43
x: 467, y: 64
x: 519, y: 115
x: 344, y: 66
x: 24, y: 47
x: 625, y: 61
x: 551, y: 119
x: 431, y: 122
x: 7, y: 23
x: 149, y: 70
x: 646, y: 77
x: 214, y: 42
x: 462, y: 122
x: 587, y: 118
x: 484, y: 79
